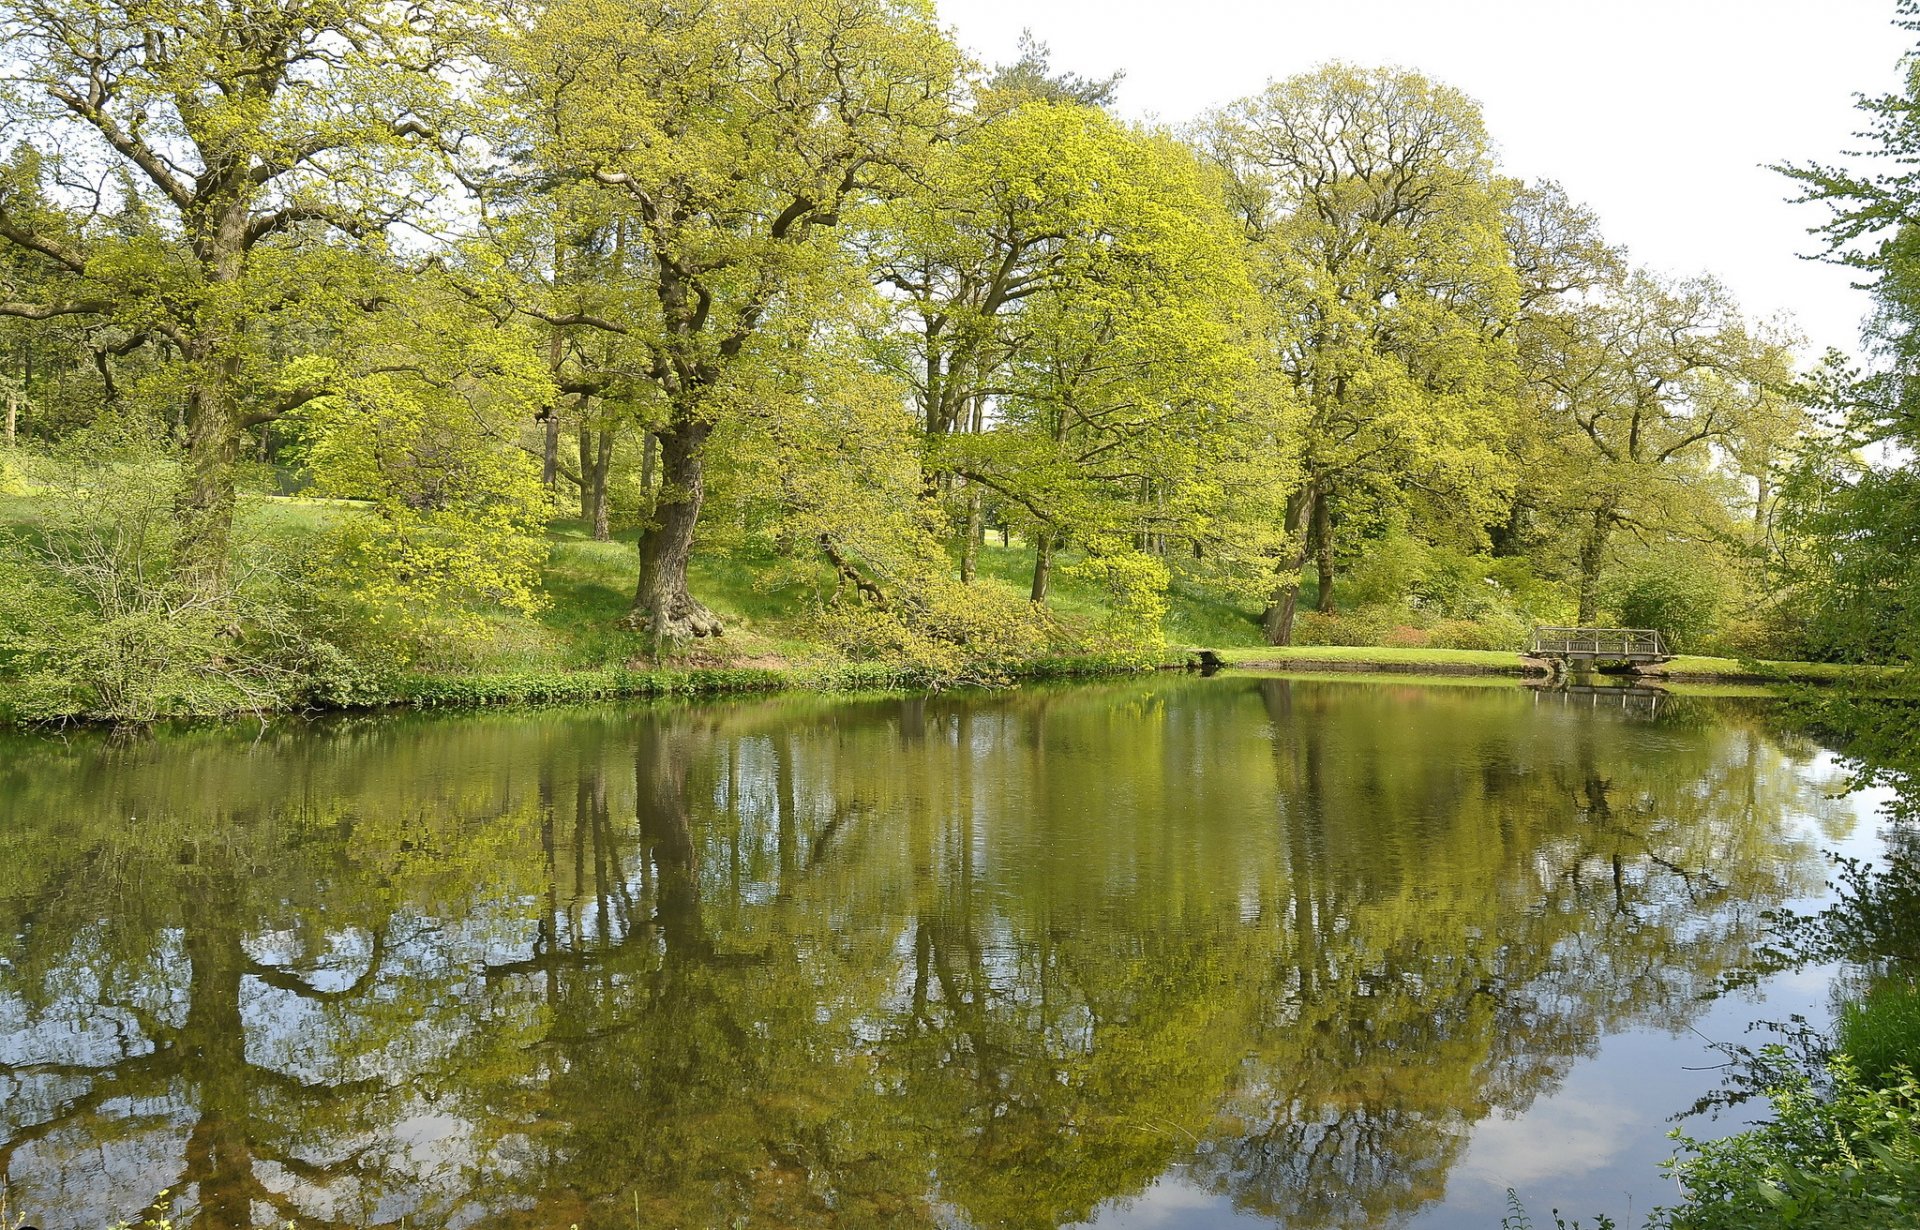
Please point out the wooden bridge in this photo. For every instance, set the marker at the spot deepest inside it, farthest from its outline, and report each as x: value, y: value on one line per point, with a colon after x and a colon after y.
x: 1634, y: 646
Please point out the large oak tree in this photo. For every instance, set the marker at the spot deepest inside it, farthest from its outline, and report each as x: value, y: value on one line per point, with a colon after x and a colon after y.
x: 729, y: 135
x: 184, y: 168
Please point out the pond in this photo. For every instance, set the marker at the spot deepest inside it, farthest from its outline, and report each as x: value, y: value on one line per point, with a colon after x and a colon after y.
x: 1229, y: 951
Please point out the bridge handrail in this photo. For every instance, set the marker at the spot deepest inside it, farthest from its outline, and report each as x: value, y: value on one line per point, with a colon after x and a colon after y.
x: 1597, y: 641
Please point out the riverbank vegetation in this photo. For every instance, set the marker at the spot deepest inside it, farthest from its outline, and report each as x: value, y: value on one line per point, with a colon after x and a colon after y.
x: 793, y: 313
x: 1841, y: 1146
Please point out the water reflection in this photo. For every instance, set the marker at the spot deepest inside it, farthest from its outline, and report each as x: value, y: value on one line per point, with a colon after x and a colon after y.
x: 993, y: 961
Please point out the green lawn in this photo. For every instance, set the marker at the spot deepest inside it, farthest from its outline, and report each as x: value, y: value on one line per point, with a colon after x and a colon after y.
x: 1492, y: 660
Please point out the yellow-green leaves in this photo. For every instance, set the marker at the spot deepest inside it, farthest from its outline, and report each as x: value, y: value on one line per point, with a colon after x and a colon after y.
x: 1371, y: 199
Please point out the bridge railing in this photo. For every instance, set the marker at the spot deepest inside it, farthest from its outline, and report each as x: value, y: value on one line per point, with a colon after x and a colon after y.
x: 1597, y: 642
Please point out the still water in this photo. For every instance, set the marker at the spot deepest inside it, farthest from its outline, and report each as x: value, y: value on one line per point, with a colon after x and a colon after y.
x: 1235, y: 951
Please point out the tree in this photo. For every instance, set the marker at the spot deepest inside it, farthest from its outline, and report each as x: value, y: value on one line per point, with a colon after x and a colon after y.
x: 730, y: 136
x: 194, y: 161
x: 1643, y: 383
x: 1073, y: 302
x: 1371, y: 199
x: 1853, y: 499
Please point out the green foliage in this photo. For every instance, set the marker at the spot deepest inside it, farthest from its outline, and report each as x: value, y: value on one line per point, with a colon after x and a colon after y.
x: 1136, y: 588
x: 1881, y: 1032
x: 951, y: 634
x: 1851, y: 500
x: 98, y: 619
x: 1847, y: 1158
x: 1492, y: 631
x: 1672, y: 593
x: 451, y: 521
x: 1365, y: 626
x: 810, y: 306
x: 1421, y: 593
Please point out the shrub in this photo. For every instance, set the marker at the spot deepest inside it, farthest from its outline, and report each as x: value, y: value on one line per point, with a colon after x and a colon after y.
x: 1673, y: 595
x: 1365, y: 626
x: 1391, y: 568
x: 1847, y: 1158
x: 1493, y: 631
x: 1404, y: 636
x: 945, y: 633
x: 97, y: 620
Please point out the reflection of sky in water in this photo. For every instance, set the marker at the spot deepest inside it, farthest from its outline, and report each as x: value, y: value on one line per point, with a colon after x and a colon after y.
x: 1358, y: 850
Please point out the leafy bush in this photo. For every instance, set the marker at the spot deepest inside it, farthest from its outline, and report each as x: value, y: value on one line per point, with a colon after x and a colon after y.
x: 1848, y: 1159
x: 1492, y: 631
x: 1405, y: 636
x: 452, y: 521
x: 947, y: 634
x: 99, y: 620
x: 1391, y: 568
x: 1365, y: 626
x: 1673, y: 595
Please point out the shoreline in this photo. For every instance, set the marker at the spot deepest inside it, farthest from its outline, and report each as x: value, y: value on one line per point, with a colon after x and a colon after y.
x: 1390, y: 661
x: 541, y: 688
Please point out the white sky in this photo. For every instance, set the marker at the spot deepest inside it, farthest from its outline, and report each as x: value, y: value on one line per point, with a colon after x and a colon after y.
x: 1662, y: 116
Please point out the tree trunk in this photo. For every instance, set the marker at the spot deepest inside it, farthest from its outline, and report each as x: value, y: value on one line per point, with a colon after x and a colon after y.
x: 661, y: 604
x: 13, y: 416
x: 1042, y: 564
x: 646, y: 470
x: 596, y: 462
x: 1277, y: 623
x: 213, y: 411
x: 550, y: 457
x: 970, y: 552
x: 1593, y: 556
x: 1323, y: 552
x: 583, y: 442
x: 602, y: 507
x: 213, y: 449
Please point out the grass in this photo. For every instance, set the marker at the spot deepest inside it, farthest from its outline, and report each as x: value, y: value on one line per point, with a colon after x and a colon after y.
x: 1491, y: 661
x: 1504, y: 662
x: 1882, y: 1031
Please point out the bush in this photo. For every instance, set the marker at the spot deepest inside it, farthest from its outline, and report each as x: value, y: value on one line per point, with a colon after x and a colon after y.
x: 946, y: 633
x: 1366, y: 626
x: 1673, y: 595
x: 1848, y: 1159
x: 1405, y: 636
x: 1392, y: 567
x: 97, y: 618
x: 1492, y: 631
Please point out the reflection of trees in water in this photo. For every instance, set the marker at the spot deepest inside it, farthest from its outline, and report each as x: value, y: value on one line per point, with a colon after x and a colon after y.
x: 887, y: 963
x: 1588, y: 877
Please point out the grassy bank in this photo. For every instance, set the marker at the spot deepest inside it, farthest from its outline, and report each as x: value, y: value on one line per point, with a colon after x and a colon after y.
x: 576, y: 648
x: 1381, y: 660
